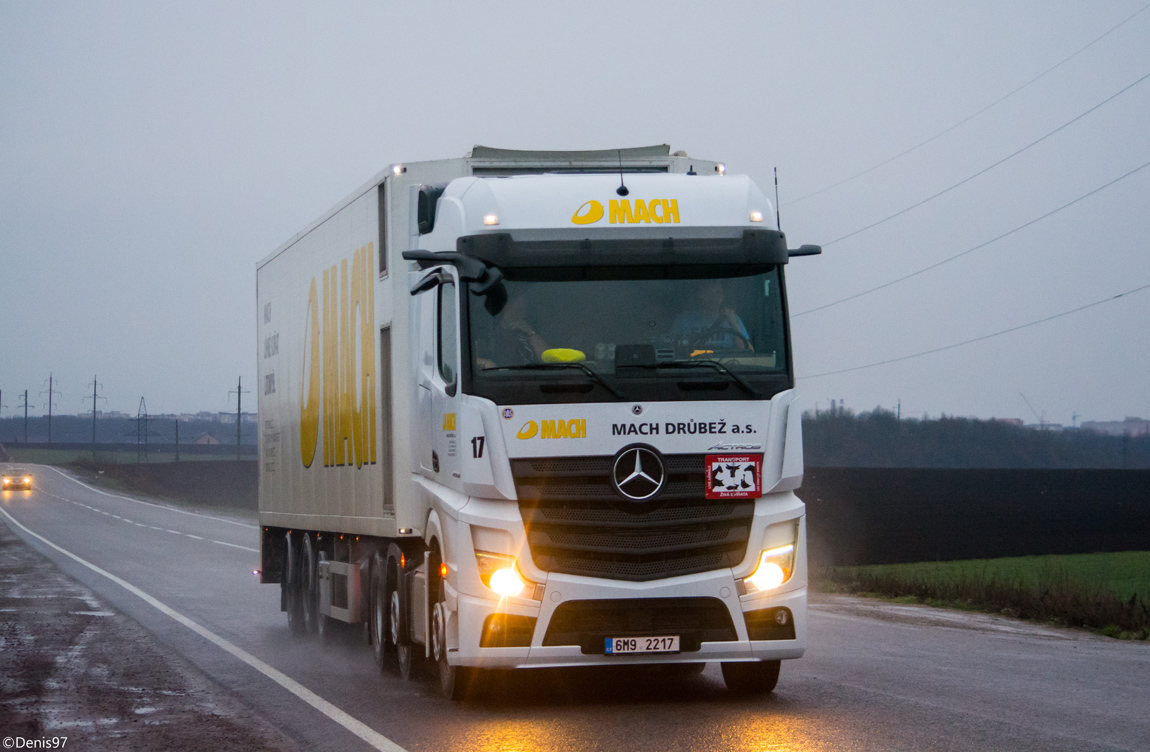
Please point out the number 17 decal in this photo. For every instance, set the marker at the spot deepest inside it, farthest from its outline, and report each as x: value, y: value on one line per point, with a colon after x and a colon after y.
x: 477, y: 446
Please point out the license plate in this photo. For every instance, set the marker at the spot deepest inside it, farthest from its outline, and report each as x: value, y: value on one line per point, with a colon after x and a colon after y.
x: 625, y: 645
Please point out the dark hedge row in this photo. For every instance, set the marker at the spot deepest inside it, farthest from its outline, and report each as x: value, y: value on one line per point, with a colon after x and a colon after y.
x: 859, y: 516
x: 879, y: 439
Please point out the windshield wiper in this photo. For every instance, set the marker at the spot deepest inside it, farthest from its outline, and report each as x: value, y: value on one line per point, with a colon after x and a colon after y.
x: 560, y: 366
x: 716, y: 365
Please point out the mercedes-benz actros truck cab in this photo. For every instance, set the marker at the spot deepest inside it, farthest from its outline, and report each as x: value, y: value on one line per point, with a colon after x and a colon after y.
x: 537, y: 409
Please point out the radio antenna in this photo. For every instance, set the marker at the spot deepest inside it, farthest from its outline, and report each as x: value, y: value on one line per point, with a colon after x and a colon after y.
x: 778, y: 223
x: 622, y: 189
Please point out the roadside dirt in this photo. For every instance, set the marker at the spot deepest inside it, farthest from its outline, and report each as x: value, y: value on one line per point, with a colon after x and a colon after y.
x: 70, y: 666
x: 930, y: 616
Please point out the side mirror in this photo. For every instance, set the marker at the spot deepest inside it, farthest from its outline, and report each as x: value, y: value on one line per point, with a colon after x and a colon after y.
x: 805, y: 250
x: 427, y: 283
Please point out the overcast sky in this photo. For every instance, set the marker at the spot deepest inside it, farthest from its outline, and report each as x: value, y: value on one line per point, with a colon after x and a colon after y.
x: 152, y: 153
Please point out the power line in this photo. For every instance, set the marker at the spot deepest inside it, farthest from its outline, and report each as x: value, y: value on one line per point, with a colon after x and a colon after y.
x: 979, y: 339
x: 973, y: 248
x: 967, y: 119
x: 985, y: 170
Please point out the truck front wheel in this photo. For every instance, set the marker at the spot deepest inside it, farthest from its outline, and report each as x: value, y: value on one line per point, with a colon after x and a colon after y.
x: 456, y: 682
x: 755, y: 678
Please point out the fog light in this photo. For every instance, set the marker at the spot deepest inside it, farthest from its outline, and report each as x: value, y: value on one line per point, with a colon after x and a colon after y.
x: 775, y: 567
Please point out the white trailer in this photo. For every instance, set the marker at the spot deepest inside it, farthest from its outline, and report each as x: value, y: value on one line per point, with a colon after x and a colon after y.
x: 527, y: 409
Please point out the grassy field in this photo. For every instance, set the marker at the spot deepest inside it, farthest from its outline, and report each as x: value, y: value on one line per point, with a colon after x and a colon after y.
x: 1108, y: 592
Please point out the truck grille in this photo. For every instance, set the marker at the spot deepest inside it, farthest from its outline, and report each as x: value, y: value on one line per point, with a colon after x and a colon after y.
x: 577, y: 524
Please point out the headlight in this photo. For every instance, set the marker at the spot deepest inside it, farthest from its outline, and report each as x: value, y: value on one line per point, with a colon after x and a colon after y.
x: 499, y: 572
x: 7, y: 481
x: 775, y: 567
x: 28, y: 479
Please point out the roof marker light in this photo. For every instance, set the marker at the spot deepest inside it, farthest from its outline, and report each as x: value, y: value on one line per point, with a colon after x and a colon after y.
x: 756, y: 216
x: 721, y: 169
x: 491, y: 219
x: 398, y: 169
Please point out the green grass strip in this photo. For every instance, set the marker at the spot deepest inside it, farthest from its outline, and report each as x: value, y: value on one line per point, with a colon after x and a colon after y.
x: 1107, y: 592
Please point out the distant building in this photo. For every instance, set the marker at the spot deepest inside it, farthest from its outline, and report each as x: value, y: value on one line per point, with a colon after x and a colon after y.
x: 1127, y: 427
x: 206, y: 438
x: 1009, y: 421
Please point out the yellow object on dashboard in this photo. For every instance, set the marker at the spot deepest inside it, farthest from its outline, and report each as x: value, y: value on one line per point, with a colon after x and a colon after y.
x: 563, y: 355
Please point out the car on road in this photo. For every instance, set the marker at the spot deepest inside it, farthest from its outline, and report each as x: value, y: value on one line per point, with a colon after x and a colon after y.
x: 16, y: 478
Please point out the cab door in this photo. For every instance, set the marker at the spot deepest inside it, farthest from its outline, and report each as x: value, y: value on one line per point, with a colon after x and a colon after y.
x: 444, y: 385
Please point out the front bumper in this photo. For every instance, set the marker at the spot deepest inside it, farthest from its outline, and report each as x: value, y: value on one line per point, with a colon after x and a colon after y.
x: 472, y: 614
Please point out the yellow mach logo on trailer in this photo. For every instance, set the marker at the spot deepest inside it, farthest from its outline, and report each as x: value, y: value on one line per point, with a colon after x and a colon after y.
x: 338, y: 344
x: 623, y: 211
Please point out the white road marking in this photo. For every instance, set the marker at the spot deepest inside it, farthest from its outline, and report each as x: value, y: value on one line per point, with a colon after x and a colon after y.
x: 352, y: 724
x: 150, y: 504
x: 233, y: 545
x: 153, y: 527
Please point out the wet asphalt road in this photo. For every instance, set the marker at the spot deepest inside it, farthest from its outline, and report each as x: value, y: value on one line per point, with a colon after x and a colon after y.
x: 876, y: 676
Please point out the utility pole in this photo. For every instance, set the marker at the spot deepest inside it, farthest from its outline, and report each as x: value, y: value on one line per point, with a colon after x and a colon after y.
x: 239, y: 391
x: 95, y: 396
x: 899, y: 414
x: 51, y: 390
x: 1041, y: 418
x: 177, y: 439
x: 25, y: 416
x: 142, y: 433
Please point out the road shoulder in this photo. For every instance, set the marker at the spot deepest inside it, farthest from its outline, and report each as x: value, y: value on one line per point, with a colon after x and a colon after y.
x: 72, y: 666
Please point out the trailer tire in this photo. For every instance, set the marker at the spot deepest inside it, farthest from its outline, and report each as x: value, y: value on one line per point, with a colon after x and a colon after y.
x: 755, y: 678
x: 308, y: 590
x: 289, y: 585
x: 378, y: 619
x: 397, y: 623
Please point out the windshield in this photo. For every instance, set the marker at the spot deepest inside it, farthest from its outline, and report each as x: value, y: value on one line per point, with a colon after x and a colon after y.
x: 640, y: 336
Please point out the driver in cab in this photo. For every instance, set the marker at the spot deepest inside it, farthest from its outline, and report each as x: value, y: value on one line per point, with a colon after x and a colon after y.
x: 515, y: 341
x: 710, y: 325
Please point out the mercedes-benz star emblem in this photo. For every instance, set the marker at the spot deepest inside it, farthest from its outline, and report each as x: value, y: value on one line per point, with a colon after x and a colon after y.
x: 639, y: 473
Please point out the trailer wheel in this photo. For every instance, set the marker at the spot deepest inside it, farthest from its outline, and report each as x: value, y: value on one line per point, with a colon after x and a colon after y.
x: 456, y: 682
x: 308, y: 595
x: 757, y: 678
x: 289, y: 585
x: 378, y: 618
x: 397, y: 625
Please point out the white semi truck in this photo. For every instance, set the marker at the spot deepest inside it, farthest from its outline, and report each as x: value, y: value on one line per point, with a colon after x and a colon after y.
x: 536, y: 409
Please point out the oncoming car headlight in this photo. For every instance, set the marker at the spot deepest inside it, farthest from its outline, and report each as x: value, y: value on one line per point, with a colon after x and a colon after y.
x: 776, y: 565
